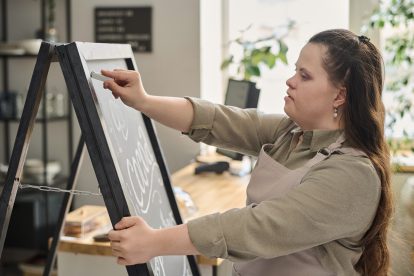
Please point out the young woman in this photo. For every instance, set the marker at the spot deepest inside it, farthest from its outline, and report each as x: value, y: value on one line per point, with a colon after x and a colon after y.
x: 319, y: 196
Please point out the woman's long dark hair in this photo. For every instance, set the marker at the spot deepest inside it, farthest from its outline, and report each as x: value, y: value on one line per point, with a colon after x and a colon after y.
x: 354, y: 62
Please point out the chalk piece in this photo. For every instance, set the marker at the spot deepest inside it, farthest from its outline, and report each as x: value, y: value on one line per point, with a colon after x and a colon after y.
x: 100, y: 77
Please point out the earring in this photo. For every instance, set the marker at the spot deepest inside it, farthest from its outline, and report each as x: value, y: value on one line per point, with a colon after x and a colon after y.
x: 335, y: 114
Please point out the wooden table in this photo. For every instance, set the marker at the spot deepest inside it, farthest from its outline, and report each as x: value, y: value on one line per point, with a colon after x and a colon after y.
x: 209, y: 191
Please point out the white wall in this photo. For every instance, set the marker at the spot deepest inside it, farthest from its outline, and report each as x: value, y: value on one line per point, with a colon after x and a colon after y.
x: 211, y: 50
x: 359, y: 13
x: 173, y: 67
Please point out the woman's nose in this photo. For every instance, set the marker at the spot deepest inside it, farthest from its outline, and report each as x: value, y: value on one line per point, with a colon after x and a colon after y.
x: 290, y: 82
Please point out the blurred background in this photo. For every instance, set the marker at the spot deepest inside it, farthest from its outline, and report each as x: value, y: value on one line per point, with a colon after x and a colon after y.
x: 187, y: 48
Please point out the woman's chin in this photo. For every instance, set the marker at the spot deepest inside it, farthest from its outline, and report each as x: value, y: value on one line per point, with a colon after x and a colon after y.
x: 286, y: 109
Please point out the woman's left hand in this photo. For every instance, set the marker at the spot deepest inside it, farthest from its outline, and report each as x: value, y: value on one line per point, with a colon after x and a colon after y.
x: 133, y: 241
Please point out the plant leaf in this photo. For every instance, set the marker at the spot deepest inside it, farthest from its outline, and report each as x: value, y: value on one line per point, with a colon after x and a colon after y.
x: 226, y: 62
x: 253, y: 70
x: 283, y: 48
x: 256, y: 57
x: 270, y: 60
x: 283, y: 58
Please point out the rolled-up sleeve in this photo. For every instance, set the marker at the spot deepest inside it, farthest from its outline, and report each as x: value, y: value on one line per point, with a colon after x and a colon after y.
x: 241, y: 130
x: 202, y: 124
x: 337, y: 199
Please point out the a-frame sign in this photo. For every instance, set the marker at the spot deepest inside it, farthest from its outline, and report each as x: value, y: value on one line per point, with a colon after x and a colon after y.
x: 121, y: 142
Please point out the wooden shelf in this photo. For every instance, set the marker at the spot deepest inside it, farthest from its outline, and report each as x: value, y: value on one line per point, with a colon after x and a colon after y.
x: 58, y: 181
x: 18, y: 56
x: 38, y: 120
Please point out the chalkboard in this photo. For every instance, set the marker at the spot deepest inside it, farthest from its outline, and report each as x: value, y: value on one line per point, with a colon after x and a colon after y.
x: 123, y: 147
x: 130, y: 25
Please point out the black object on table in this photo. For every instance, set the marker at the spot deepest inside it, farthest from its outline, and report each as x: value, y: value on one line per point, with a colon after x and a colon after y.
x: 216, y: 167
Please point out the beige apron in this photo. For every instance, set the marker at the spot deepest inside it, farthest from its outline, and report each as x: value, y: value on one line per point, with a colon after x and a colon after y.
x: 271, y: 179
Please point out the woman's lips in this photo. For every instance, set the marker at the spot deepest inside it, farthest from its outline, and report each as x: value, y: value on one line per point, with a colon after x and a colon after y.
x: 288, y: 97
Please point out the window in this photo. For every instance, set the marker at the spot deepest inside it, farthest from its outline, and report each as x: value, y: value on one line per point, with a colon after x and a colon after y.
x: 401, y: 95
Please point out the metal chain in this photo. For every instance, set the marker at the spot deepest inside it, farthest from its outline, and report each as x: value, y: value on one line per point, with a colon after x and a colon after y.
x: 58, y: 190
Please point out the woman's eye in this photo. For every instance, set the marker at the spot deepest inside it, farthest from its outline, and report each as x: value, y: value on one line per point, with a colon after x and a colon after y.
x: 303, y: 76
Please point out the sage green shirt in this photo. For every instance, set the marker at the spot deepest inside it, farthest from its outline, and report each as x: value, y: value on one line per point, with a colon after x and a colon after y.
x: 331, y: 209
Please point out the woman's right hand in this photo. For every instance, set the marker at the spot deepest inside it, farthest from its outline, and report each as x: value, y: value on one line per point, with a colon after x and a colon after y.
x: 126, y: 85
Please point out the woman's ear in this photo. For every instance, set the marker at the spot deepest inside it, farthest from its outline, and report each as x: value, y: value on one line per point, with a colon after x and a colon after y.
x: 340, y: 97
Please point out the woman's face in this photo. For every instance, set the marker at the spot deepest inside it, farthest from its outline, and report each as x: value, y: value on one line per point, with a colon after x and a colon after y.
x: 310, y: 95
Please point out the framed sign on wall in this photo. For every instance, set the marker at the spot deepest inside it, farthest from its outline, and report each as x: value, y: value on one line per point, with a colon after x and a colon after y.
x: 125, y: 25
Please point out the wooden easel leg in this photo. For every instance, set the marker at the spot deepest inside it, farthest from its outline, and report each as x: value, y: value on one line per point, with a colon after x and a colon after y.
x: 67, y: 200
x: 23, y: 137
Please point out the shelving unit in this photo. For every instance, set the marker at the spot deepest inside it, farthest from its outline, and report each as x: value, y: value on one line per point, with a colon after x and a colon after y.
x: 17, y: 56
x: 40, y: 120
x: 34, y: 209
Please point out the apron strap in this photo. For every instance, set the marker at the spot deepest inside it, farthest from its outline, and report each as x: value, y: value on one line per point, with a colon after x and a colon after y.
x: 335, y: 147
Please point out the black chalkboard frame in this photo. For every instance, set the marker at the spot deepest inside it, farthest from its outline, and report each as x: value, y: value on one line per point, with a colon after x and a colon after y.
x: 73, y: 58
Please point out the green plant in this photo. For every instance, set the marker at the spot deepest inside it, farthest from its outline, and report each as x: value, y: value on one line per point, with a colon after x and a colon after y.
x: 398, y: 16
x: 256, y: 53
